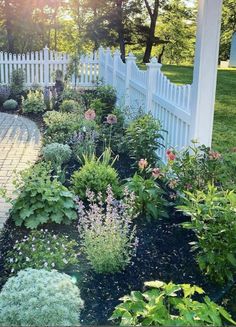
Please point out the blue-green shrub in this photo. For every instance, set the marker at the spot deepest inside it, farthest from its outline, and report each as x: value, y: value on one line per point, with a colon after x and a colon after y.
x: 40, y: 298
x: 10, y: 105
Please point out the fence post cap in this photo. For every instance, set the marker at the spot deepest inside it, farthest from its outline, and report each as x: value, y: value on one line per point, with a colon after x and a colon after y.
x: 130, y: 56
x: 154, y: 63
x: 117, y: 53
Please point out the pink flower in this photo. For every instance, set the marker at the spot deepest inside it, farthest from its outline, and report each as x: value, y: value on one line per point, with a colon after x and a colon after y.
x: 214, y: 155
x: 170, y: 155
x: 90, y: 114
x: 188, y: 187
x: 111, y: 119
x: 156, y: 173
x: 142, y: 163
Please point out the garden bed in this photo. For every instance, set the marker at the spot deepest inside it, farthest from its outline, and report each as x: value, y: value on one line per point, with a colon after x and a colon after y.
x: 101, y: 207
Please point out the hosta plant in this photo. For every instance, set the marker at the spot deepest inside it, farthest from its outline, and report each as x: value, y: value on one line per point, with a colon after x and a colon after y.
x: 42, y: 250
x: 213, y: 220
x: 41, y: 199
x: 40, y: 298
x: 70, y: 106
x: 169, y: 305
x: 108, y: 237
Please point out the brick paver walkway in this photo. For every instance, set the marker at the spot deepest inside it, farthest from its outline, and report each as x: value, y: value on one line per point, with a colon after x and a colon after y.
x: 19, y: 147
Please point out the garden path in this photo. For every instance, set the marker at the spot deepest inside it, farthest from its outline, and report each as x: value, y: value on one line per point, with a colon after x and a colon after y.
x: 20, y: 142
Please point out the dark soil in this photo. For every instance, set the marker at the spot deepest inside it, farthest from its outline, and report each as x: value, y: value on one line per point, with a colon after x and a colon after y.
x: 163, y: 254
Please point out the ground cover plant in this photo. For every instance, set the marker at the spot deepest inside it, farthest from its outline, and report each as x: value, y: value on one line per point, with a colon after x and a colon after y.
x: 115, y: 215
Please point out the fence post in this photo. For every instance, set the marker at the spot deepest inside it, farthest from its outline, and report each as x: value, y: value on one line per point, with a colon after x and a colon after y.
x: 46, y: 66
x: 152, y: 72
x: 101, y: 63
x: 116, y: 58
x: 130, y: 60
x: 107, y: 55
x: 205, y: 70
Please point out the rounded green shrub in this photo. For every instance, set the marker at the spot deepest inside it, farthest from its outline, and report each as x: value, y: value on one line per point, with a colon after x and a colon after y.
x: 10, y: 105
x: 40, y: 298
x: 69, y: 106
x: 95, y: 176
x: 57, y: 154
x: 34, y: 102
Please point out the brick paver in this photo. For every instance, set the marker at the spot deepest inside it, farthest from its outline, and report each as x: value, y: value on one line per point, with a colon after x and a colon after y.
x: 20, y: 143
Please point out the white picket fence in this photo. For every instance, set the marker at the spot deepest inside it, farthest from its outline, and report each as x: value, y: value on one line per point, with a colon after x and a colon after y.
x: 151, y: 91
x: 147, y: 89
x: 40, y: 67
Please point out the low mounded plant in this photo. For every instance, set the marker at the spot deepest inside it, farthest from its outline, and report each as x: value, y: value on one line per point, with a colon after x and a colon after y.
x: 213, y: 220
x: 143, y: 137
x: 95, y: 175
x: 70, y: 106
x: 60, y: 127
x: 42, y: 250
x: 169, y: 305
x: 40, y: 298
x: 41, y: 199
x: 10, y: 105
x: 108, y: 238
x: 58, y: 154
x: 5, y: 91
x: 34, y: 102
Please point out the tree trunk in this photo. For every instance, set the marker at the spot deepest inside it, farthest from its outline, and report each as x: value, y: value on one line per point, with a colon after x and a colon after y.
x: 9, y: 27
x: 161, y: 54
x: 153, y: 14
x: 120, y: 29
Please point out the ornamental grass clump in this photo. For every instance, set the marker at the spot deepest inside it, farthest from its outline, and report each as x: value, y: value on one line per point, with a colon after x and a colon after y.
x: 108, y: 236
x: 40, y: 298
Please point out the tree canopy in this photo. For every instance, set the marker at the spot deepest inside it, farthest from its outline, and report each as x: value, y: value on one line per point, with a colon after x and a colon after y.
x: 164, y: 28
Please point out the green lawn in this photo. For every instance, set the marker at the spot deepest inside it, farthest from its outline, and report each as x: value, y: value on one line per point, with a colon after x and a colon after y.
x: 224, y: 136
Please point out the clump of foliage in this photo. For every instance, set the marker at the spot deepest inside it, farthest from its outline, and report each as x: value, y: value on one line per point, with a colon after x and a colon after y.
x: 60, y: 127
x: 213, y: 220
x: 192, y: 169
x: 103, y: 100
x: 112, y: 131
x: 71, y: 94
x: 4, y: 93
x: 10, y: 105
x: 108, y: 238
x: 70, y: 106
x: 143, y: 137
x: 169, y: 305
x: 34, y: 102
x: 40, y: 298
x: 149, y: 197
x: 84, y: 141
x: 42, y: 250
x: 41, y: 199
x: 95, y: 175
x: 17, y: 85
x: 58, y: 154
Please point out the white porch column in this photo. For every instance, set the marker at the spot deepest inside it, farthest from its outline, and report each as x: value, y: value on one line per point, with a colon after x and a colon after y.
x: 205, y: 70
